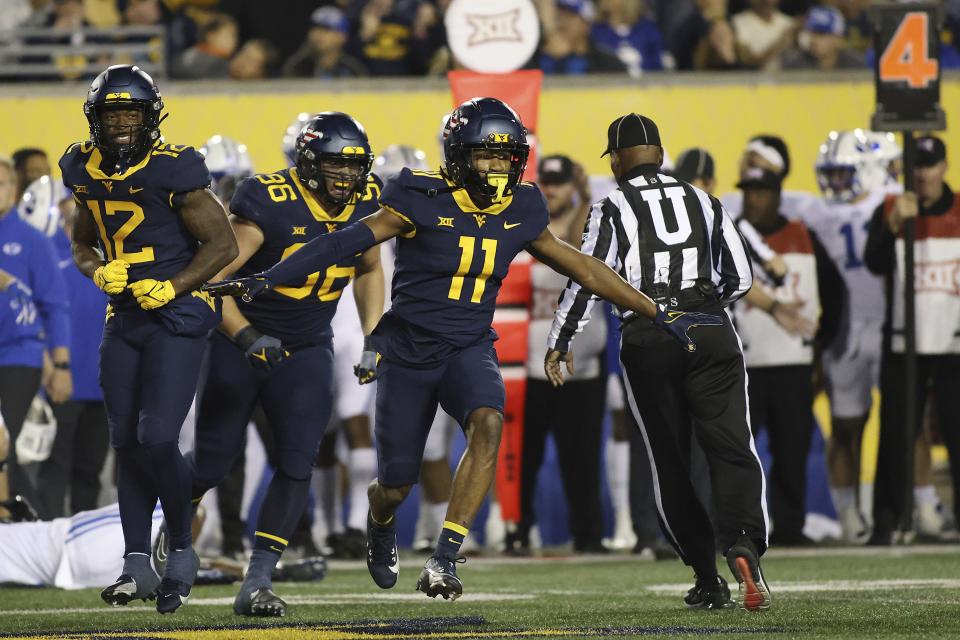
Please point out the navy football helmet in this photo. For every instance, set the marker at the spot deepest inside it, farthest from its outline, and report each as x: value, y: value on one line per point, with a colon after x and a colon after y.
x: 329, y: 143
x: 124, y: 86
x: 484, y: 123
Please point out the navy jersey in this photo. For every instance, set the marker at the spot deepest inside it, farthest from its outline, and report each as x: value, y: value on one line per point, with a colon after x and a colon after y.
x: 450, y: 266
x: 138, y: 220
x: 290, y: 216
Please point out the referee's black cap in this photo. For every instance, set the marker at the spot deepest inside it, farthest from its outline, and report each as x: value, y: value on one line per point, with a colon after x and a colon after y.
x: 694, y: 163
x: 631, y: 130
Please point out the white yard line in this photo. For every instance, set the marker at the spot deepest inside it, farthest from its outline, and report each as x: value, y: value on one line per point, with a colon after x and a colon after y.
x: 829, y: 585
x: 337, y: 599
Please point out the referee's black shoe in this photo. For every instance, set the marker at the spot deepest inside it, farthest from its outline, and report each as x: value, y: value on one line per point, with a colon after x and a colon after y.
x: 709, y: 593
x: 744, y: 563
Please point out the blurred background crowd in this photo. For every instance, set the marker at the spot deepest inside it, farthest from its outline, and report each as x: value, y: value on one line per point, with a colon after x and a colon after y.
x: 250, y: 39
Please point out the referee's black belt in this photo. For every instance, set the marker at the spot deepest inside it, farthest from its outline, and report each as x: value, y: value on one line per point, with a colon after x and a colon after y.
x: 703, y: 292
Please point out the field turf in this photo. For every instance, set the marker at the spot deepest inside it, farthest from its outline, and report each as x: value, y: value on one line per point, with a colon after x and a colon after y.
x: 906, y: 592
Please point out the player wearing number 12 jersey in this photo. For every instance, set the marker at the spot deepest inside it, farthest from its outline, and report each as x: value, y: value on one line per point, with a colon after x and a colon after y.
x: 148, y: 232
x: 458, y: 231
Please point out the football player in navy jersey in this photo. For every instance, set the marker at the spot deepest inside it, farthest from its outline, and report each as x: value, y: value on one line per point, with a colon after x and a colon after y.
x: 149, y: 232
x: 459, y: 230
x: 277, y: 349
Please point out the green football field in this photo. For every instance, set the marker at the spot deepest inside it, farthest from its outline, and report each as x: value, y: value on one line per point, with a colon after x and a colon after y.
x: 823, y: 593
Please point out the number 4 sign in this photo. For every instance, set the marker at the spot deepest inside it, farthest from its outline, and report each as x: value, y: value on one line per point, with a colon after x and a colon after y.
x: 908, y: 66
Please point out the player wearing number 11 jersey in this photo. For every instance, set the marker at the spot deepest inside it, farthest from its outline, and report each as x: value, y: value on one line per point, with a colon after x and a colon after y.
x: 458, y: 231
x: 148, y: 232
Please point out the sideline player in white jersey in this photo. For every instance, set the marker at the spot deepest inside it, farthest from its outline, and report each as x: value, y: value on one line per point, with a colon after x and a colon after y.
x: 853, y: 172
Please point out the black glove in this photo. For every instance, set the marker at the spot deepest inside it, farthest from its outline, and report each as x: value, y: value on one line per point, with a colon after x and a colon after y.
x: 366, y: 371
x: 247, y: 288
x: 678, y: 323
x: 263, y: 352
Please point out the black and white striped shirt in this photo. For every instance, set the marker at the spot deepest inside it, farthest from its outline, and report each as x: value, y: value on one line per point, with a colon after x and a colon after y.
x: 663, y: 236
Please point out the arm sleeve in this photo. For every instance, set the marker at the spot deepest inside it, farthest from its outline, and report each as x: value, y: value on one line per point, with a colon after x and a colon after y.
x: 878, y: 254
x: 187, y: 173
x: 321, y: 252
x: 573, y: 312
x: 49, y: 293
x: 832, y: 290
x: 244, y: 202
x: 396, y: 197
x: 736, y: 272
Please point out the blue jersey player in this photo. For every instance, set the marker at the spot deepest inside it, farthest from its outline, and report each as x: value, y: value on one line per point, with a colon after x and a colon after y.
x: 277, y: 349
x: 458, y: 230
x: 148, y: 232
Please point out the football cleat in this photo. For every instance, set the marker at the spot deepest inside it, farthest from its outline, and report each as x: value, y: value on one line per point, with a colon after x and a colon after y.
x: 743, y: 562
x: 439, y: 578
x: 125, y: 590
x: 383, y: 561
x: 712, y: 594
x: 138, y: 581
x: 261, y: 602
x: 178, y: 578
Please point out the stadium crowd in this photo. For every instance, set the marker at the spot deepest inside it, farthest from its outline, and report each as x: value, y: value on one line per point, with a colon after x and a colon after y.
x: 814, y: 309
x: 247, y: 39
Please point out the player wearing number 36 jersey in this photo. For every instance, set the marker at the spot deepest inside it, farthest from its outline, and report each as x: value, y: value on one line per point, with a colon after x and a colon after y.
x: 277, y: 349
x: 148, y: 232
x: 458, y: 231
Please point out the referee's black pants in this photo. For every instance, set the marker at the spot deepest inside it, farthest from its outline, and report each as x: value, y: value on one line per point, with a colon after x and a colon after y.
x: 781, y: 400
x: 893, y: 486
x: 667, y: 387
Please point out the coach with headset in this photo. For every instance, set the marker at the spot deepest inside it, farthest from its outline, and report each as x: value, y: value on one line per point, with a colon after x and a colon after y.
x: 676, y: 244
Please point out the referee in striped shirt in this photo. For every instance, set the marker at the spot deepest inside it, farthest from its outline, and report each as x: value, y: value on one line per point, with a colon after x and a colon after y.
x: 676, y: 244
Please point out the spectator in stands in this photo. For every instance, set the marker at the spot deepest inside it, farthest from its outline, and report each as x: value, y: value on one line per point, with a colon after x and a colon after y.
x: 820, y: 44
x: 253, y: 61
x: 625, y: 30
x: 142, y: 13
x: 14, y: 14
x: 859, y: 33
x: 385, y: 37
x: 568, y: 49
x: 322, y: 56
x: 210, y: 58
x: 763, y: 33
x: 29, y: 164
x: 705, y: 40
x: 29, y: 257
x: 80, y: 447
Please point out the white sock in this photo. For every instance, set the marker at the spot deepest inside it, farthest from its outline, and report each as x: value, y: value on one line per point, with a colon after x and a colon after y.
x: 319, y: 480
x: 844, y: 498
x: 618, y: 473
x: 438, y: 513
x: 925, y: 494
x: 362, y: 467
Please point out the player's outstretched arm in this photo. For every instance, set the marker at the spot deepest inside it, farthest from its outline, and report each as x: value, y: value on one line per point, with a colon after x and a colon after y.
x: 249, y: 240
x: 369, y: 291
x: 206, y: 220
x: 318, y: 254
x: 591, y: 273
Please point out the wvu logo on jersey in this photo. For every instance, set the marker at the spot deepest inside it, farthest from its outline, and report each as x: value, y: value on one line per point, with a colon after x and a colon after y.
x: 108, y: 185
x: 331, y: 227
x: 480, y: 218
x: 444, y: 222
x: 299, y: 231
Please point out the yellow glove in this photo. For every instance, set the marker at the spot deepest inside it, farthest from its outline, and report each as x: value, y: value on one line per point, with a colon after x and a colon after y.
x: 152, y: 294
x: 112, y: 277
